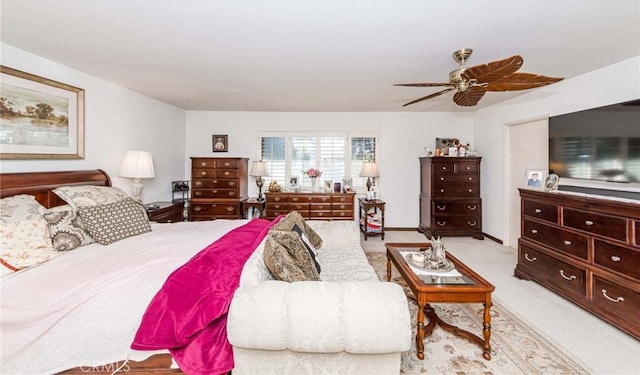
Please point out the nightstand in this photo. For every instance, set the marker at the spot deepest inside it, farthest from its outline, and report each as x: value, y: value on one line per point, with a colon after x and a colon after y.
x: 253, y: 204
x: 374, y: 226
x: 167, y: 212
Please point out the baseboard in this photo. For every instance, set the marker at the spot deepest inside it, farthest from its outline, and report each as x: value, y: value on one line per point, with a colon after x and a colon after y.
x: 493, y: 238
x: 400, y: 229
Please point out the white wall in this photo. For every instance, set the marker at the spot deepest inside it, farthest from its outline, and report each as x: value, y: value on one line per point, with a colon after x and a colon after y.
x: 403, y: 137
x: 613, y: 84
x: 116, y: 120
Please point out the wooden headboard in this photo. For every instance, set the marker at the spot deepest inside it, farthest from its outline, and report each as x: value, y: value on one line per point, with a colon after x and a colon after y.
x: 41, y: 184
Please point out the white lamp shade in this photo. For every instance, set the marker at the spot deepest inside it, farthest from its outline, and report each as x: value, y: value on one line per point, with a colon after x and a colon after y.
x: 259, y: 169
x: 369, y: 169
x: 137, y: 164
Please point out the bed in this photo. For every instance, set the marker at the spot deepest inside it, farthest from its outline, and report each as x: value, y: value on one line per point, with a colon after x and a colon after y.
x: 79, y: 311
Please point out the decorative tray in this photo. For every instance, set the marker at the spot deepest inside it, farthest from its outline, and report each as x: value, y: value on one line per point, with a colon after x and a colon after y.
x: 427, y: 265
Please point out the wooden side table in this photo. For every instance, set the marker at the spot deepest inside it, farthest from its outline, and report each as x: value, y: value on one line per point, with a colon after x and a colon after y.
x: 167, y: 212
x: 253, y: 204
x: 365, y: 206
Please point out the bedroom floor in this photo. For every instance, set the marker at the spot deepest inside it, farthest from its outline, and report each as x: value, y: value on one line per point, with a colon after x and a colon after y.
x: 600, y: 346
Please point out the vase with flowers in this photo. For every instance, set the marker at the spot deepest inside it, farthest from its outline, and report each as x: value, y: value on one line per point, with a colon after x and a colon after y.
x: 313, y: 174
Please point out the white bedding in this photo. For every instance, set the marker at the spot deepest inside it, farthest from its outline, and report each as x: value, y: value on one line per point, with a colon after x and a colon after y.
x: 83, y: 308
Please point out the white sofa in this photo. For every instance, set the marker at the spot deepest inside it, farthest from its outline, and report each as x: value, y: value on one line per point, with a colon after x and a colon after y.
x: 347, y: 323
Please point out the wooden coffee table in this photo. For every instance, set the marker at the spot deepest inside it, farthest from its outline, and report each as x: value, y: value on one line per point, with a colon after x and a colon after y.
x: 470, y: 288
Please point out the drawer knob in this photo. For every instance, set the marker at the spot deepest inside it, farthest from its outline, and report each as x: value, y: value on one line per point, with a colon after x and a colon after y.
x: 471, y: 223
x: 470, y: 178
x: 615, y: 300
x: 198, y: 183
x: 198, y: 193
x: 227, y: 164
x: 534, y: 231
x: 615, y: 258
x: 204, y: 164
x: 567, y: 242
x: 230, y: 208
x: 468, y: 168
x: 232, y: 183
x: 526, y: 256
x: 342, y: 206
x: 472, y: 208
x: 441, y: 178
x: 441, y: 208
x: 215, y: 191
x: 470, y: 190
x: 572, y: 277
x: 203, y: 173
x: 226, y: 173
x: 197, y: 208
x: 538, y: 210
x: 442, y: 224
x: 442, y: 190
x: 232, y: 193
x: 215, y: 181
x: 589, y: 222
x: 444, y: 168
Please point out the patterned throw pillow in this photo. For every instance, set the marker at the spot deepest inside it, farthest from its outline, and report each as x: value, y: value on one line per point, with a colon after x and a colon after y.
x: 24, y: 244
x: 88, y: 195
x: 67, y: 230
x: 294, y: 218
x: 308, y: 245
x: 287, y: 258
x: 113, y: 222
x: 20, y: 207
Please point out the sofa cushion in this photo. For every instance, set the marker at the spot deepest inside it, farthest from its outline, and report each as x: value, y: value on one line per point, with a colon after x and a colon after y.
x: 294, y: 218
x: 287, y: 258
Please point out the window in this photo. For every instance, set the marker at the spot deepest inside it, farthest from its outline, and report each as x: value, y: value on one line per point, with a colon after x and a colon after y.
x: 338, y: 155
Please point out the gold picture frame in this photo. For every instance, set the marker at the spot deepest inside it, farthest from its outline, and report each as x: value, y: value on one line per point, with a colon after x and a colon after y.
x: 41, y: 118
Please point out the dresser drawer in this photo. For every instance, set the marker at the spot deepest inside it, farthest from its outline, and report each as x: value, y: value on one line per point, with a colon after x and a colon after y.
x: 227, y: 164
x: 202, y: 163
x: 336, y: 206
x: 227, y: 173
x: 277, y: 198
x: 455, y: 190
x: 299, y: 198
x: 446, y: 222
x: 443, y: 166
x: 539, y: 210
x: 465, y: 167
x: 320, y: 214
x: 277, y: 206
x: 604, y: 225
x: 299, y: 206
x: 214, y: 209
x: 342, y: 198
x: 550, y: 270
x: 620, y: 301
x: 215, y: 193
x: 472, y: 179
x: 456, y: 207
x: 560, y: 240
x: 215, y: 183
x: 203, y: 173
x: 271, y: 214
x: 617, y: 258
x: 325, y: 206
x: 340, y: 214
x: 320, y: 198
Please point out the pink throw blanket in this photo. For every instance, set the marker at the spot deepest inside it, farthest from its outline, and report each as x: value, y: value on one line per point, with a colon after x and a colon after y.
x: 188, y: 315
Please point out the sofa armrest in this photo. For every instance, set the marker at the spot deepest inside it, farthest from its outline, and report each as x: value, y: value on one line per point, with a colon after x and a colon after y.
x: 320, y: 317
x: 336, y: 233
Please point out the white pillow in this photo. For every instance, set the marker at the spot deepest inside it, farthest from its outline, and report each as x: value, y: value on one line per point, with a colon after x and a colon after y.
x: 24, y: 244
x: 88, y: 195
x: 20, y: 207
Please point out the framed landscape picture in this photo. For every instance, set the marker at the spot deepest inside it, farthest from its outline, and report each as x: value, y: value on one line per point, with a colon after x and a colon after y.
x: 40, y: 118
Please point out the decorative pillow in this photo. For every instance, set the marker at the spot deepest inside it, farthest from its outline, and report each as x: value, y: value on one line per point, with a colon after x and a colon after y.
x: 308, y: 245
x: 24, y: 244
x: 287, y: 258
x: 113, y: 222
x: 293, y: 218
x: 88, y: 195
x: 20, y: 207
x: 67, y: 230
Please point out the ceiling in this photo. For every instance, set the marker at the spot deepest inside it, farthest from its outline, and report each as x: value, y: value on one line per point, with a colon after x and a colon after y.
x: 328, y: 55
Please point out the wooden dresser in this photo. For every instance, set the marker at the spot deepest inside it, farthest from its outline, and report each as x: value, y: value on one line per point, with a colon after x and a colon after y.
x: 450, y: 203
x: 586, y: 249
x: 218, y: 187
x: 312, y: 206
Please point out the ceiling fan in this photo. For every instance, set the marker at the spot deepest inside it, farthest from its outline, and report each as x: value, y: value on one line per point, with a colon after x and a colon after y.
x: 472, y: 83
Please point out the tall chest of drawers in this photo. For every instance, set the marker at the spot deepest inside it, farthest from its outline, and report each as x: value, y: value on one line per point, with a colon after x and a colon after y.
x: 450, y: 203
x: 312, y: 206
x: 218, y: 187
x: 586, y: 249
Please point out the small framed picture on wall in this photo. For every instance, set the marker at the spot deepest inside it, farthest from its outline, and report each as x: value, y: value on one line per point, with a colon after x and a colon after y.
x: 534, y: 178
x: 220, y: 143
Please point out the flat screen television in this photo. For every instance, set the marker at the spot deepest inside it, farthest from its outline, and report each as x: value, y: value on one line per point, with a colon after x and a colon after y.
x: 599, y: 145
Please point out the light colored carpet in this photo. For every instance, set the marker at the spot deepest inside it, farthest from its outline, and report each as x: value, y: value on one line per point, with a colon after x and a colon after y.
x: 516, y: 348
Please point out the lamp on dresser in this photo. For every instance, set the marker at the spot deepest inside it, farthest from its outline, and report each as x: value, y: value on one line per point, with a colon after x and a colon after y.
x: 259, y: 169
x: 137, y: 165
x: 369, y: 169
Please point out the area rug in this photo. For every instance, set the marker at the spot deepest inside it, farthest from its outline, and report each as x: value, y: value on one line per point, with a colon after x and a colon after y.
x: 516, y: 348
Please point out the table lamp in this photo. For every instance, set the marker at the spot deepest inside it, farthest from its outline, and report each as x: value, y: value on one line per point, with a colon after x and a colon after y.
x: 259, y: 169
x: 137, y: 165
x: 369, y: 169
